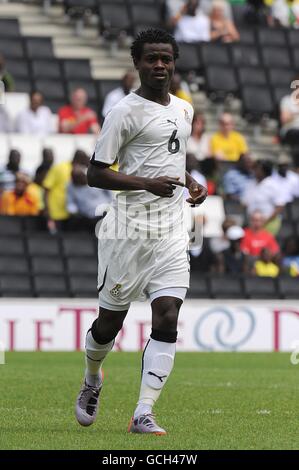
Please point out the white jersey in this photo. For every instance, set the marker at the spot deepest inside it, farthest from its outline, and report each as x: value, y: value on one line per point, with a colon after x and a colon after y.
x: 149, y: 140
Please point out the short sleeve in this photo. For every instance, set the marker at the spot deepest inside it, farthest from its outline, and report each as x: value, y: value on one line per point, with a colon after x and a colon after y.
x: 243, y: 148
x: 50, y: 179
x: 113, y: 136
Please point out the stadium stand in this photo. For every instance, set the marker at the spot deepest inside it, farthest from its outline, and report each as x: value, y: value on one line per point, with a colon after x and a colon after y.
x: 248, y: 79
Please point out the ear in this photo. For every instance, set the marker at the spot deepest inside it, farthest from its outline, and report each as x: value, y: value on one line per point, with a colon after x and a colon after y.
x: 135, y: 61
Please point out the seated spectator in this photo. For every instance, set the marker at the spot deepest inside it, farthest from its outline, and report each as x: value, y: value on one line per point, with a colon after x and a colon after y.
x: 265, y: 266
x: 174, y: 7
x: 77, y: 118
x: 263, y: 194
x: 236, y: 179
x: 5, y: 76
x: 203, y: 259
x: 256, y: 238
x: 228, y: 144
x: 290, y: 258
x: 209, y: 170
x: 37, y: 119
x: 47, y: 158
x: 191, y: 24
x: 119, y: 93
x: 233, y: 260
x: 199, y: 141
x: 8, y: 173
x: 287, y: 179
x: 222, y: 243
x: 20, y: 201
x: 55, y: 184
x: 36, y: 187
x: 222, y: 28
x: 5, y: 124
x: 83, y: 200
x: 285, y: 13
x: 178, y: 89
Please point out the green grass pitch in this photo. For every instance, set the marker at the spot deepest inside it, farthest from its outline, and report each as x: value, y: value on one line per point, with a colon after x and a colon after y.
x: 211, y: 401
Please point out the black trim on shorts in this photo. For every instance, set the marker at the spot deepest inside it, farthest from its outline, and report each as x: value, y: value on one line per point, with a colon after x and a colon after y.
x: 104, y: 280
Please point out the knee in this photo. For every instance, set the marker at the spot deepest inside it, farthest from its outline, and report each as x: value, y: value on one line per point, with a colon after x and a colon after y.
x: 106, y: 329
x: 166, y: 317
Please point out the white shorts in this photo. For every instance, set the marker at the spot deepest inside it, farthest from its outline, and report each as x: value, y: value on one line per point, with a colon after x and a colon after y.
x: 131, y: 270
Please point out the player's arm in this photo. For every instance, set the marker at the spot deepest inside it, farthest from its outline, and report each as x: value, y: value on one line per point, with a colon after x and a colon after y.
x: 99, y: 175
x: 198, y: 193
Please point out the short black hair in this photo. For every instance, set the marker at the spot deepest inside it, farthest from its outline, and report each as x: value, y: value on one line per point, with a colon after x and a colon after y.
x: 266, y: 166
x: 153, y: 36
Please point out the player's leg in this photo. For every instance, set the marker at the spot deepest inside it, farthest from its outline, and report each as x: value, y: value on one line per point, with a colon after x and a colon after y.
x: 158, y: 356
x: 99, y: 342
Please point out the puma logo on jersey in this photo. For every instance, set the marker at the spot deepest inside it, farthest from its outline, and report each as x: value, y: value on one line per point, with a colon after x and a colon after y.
x: 173, y: 122
x: 115, y: 291
x: 158, y: 376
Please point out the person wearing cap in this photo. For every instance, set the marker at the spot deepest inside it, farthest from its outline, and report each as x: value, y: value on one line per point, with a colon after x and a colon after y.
x: 233, y: 260
x: 20, y: 201
x: 287, y: 179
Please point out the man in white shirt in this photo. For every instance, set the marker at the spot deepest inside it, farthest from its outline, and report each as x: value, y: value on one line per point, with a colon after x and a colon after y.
x: 147, y: 131
x: 286, y: 179
x: 192, y: 25
x: 37, y: 119
x: 119, y: 93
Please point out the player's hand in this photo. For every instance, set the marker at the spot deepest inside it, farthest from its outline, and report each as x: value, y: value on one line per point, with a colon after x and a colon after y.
x: 198, y: 194
x: 163, y: 186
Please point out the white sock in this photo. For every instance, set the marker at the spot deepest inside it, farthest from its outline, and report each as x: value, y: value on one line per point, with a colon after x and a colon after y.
x: 94, y: 356
x: 158, y: 359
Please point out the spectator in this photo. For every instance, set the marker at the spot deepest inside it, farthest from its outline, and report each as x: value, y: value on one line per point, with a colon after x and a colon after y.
x: 203, y: 259
x: 199, y: 141
x: 180, y: 90
x: 8, y: 174
x: 191, y: 24
x: 20, y: 201
x: 222, y: 28
x: 119, y: 93
x: 285, y: 13
x: 222, y: 243
x: 265, y: 265
x: 174, y: 7
x: 37, y: 119
x: 77, y: 118
x: 233, y: 260
x: 47, y: 158
x: 83, y: 200
x: 5, y: 124
x: 289, y: 119
x: 236, y: 179
x: 264, y: 195
x: 209, y: 170
x: 36, y: 187
x: 290, y: 259
x: 55, y: 184
x: 5, y: 76
x: 228, y: 144
x: 256, y: 238
x: 287, y: 180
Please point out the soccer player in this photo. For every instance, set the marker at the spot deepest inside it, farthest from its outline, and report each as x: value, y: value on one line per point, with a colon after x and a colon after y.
x: 147, y: 131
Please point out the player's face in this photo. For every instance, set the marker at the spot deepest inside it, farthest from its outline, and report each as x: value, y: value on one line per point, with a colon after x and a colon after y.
x: 156, y: 65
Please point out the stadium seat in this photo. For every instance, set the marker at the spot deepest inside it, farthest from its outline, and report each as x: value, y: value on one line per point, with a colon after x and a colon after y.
x: 271, y: 37
x: 12, y: 246
x: 287, y: 230
x: 51, y: 89
x: 281, y: 77
x: 14, y: 104
x: 9, y: 27
x: 83, y: 286
x: 22, y: 85
x: 76, y: 69
x: 247, y: 36
x: 294, y: 208
x: 78, y: 266
x: 147, y: 14
x: 47, y: 265
x: 14, y: 285
x: 77, y: 8
x: 54, y: 105
x: 199, y: 286
x: 13, y: 265
x: 293, y: 37
x: 288, y: 287
x: 87, y: 85
x: 12, y: 48
x: 215, y: 54
x: 50, y: 286
x: 295, y: 58
x: 39, y: 47
x: 239, y: 13
x: 220, y: 82
x: 18, y: 68
x: 257, y: 102
x: 252, y: 76
x: 105, y: 86
x: 189, y: 58
x: 275, y: 56
x: 78, y: 246
x: 33, y: 224
x: 226, y: 287
x: 46, y: 69
x: 245, y: 55
x: 10, y: 225
x: 114, y: 18
x: 233, y: 207
x: 261, y: 287
x: 43, y: 245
